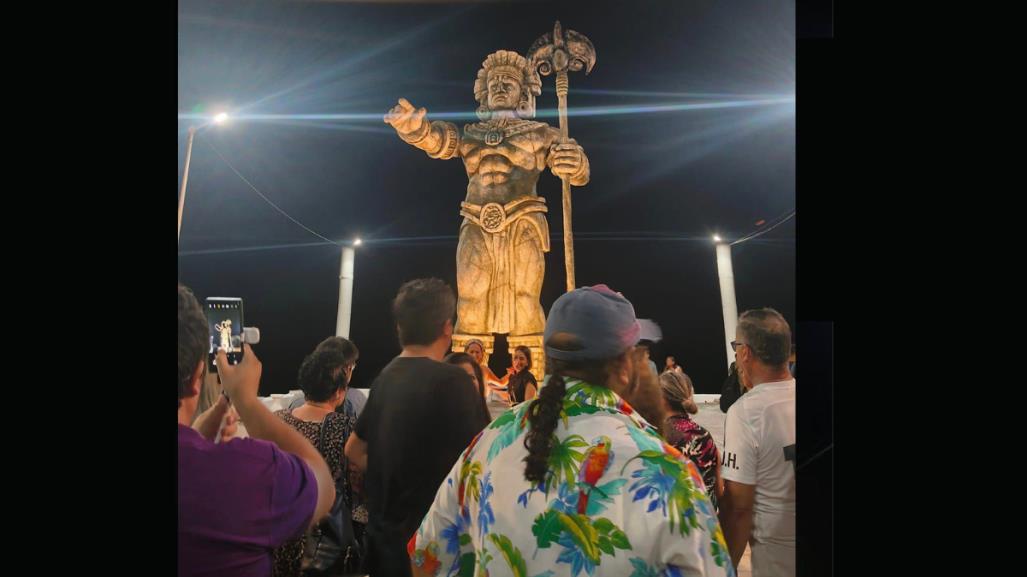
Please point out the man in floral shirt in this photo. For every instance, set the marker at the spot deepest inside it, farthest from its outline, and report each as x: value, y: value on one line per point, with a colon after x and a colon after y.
x: 574, y: 482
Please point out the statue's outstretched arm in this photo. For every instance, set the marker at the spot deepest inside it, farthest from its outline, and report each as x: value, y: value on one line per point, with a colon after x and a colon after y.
x: 438, y: 139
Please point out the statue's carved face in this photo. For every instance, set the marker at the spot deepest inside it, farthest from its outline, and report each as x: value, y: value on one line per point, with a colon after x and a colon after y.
x: 504, y: 91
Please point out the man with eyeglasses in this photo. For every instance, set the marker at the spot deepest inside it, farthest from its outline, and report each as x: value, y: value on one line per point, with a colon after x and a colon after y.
x: 758, y: 463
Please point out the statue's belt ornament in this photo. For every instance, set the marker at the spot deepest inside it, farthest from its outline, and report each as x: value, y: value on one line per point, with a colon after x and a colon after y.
x: 494, y: 217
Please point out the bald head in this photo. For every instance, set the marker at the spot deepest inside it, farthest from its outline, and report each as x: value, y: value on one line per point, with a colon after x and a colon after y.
x: 768, y: 335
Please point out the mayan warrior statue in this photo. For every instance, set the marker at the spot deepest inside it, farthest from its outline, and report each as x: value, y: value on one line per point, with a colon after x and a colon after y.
x: 500, y: 262
x: 224, y: 329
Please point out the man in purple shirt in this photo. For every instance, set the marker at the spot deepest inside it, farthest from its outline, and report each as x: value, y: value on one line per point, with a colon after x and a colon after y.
x: 237, y: 500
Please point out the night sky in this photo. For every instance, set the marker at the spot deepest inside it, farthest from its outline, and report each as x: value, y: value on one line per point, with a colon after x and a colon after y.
x: 309, y: 82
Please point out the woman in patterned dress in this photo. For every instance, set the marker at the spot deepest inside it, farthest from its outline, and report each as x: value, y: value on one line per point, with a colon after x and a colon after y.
x: 324, y: 380
x: 685, y: 434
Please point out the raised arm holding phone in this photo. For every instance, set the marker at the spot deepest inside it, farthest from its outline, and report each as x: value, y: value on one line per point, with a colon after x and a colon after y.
x: 237, y: 500
x: 241, y: 383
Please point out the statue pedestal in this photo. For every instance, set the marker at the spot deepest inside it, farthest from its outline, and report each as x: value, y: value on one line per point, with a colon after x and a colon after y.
x: 533, y: 342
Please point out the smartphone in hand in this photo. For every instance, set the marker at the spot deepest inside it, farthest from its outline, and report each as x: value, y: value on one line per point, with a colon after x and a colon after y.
x: 225, y: 324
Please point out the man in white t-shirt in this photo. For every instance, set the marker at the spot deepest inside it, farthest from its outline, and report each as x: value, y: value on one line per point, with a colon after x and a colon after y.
x: 758, y: 463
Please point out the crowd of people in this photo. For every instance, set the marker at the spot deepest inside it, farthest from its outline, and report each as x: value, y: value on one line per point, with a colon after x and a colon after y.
x: 600, y: 469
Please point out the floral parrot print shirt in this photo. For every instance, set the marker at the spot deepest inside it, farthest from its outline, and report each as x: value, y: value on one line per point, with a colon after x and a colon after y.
x: 617, y: 500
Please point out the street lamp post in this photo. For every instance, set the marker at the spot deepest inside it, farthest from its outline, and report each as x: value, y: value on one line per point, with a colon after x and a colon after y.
x: 219, y: 118
x: 726, y: 273
x: 185, y: 179
x: 342, y: 319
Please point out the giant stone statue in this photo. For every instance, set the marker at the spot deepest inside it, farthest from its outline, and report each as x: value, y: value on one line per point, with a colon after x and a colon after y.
x: 504, y: 235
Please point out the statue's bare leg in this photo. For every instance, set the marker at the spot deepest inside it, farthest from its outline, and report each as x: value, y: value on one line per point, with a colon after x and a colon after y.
x: 529, y: 270
x: 473, y: 275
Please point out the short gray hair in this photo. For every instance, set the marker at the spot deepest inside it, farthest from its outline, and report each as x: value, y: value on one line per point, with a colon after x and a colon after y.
x: 768, y: 335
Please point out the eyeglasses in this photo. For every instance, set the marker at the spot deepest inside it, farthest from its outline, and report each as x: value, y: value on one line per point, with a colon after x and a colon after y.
x: 736, y: 344
x: 350, y: 367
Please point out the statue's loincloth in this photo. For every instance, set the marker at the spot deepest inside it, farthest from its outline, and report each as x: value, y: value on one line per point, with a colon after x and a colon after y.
x: 499, y: 222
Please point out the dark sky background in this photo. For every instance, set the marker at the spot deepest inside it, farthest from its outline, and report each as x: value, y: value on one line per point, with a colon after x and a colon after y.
x: 308, y: 83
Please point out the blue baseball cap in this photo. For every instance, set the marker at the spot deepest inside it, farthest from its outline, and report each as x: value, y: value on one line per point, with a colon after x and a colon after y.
x: 590, y: 323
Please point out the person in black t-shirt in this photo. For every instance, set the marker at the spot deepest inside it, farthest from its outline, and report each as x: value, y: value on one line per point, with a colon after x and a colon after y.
x: 420, y: 415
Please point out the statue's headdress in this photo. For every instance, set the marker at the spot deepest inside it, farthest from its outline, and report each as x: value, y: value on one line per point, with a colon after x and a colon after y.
x: 517, y: 66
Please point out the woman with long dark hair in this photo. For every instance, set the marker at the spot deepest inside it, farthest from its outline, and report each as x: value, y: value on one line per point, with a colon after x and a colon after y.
x: 469, y: 364
x: 522, y: 384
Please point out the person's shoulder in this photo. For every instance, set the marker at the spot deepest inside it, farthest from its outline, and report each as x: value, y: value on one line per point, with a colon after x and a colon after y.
x: 444, y: 372
x: 770, y: 392
x: 526, y: 377
x: 397, y: 363
x: 703, y: 432
x: 780, y: 390
x: 740, y: 408
x: 773, y: 398
x: 417, y: 372
x: 629, y: 443
x: 788, y: 387
x: 395, y: 370
x: 247, y: 450
x: 621, y: 429
x: 340, y: 421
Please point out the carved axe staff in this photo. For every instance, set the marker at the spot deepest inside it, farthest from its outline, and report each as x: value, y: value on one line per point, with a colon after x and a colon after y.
x: 559, y: 52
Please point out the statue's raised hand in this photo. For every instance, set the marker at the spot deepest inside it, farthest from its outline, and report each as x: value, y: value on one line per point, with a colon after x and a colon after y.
x: 407, y: 121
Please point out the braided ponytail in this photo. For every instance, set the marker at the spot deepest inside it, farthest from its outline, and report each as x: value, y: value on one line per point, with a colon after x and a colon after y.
x: 543, y: 414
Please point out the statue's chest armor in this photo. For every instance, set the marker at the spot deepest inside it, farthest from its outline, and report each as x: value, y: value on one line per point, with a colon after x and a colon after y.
x: 518, y: 144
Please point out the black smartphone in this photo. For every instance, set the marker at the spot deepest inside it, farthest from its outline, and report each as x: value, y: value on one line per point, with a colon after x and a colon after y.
x: 225, y: 323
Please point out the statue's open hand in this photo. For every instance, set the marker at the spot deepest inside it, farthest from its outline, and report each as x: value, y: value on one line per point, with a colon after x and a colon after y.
x: 565, y: 157
x: 405, y: 119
